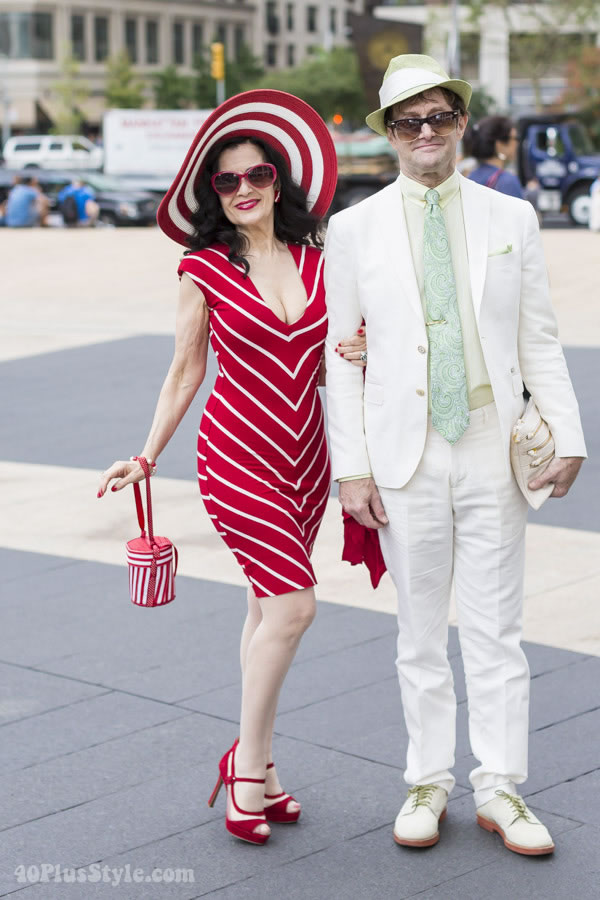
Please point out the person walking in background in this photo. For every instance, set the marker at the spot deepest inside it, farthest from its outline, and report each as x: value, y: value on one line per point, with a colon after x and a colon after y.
x: 248, y: 200
x: 494, y: 142
x: 451, y: 282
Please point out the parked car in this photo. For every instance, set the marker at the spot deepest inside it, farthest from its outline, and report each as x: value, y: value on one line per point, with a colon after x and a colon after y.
x: 50, y: 151
x: 118, y: 204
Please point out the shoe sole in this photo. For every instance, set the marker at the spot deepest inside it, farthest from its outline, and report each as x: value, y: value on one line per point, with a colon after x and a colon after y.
x: 429, y: 842
x: 488, y: 825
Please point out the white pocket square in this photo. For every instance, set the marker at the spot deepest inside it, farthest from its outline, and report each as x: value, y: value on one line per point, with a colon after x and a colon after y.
x: 507, y: 249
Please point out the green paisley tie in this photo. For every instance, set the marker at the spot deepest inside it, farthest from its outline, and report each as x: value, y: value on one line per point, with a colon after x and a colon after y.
x: 449, y: 401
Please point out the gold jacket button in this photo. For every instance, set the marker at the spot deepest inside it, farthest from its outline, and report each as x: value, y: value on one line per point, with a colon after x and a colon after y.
x: 420, y: 392
x: 421, y: 349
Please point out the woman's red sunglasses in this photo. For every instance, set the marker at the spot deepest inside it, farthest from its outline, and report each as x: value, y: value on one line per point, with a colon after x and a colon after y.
x: 260, y: 176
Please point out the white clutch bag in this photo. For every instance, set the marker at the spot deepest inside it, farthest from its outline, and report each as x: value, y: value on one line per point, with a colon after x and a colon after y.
x: 531, y: 451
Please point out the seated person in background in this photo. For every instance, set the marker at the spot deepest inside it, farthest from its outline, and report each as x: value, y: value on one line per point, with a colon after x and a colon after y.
x: 77, y: 204
x: 493, y: 142
x: 23, y: 204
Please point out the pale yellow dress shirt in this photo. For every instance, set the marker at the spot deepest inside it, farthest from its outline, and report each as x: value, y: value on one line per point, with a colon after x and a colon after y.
x: 479, y: 390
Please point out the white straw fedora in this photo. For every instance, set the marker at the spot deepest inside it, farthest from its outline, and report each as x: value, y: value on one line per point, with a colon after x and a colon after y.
x: 410, y: 74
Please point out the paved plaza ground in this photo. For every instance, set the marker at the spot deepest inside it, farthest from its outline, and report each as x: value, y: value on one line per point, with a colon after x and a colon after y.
x: 113, y: 718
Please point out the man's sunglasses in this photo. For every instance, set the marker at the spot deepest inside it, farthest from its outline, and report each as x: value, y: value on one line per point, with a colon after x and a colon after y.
x: 441, y: 123
x: 261, y: 176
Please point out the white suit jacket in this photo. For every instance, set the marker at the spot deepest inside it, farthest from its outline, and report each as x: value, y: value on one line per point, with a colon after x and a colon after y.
x: 380, y: 425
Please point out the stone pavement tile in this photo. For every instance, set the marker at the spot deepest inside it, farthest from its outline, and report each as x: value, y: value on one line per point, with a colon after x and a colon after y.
x: 565, y: 693
x: 313, y: 680
x: 371, y: 865
x: 81, y: 724
x: 82, y: 775
x: 16, y: 565
x: 349, y: 628
x: 25, y: 693
x: 581, y: 507
x: 158, y: 824
x: 75, y: 399
x: 366, y: 722
x: 557, y: 754
x: 578, y: 798
x: 570, y: 873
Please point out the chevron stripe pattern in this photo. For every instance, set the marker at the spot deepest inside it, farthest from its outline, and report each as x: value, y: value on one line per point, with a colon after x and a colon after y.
x: 263, y: 463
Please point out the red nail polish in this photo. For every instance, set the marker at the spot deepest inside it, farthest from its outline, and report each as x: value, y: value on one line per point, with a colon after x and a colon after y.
x: 360, y: 331
x: 99, y: 494
x: 114, y: 487
x: 336, y: 350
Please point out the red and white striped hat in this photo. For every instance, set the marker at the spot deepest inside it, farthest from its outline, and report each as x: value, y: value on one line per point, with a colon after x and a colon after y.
x: 283, y: 121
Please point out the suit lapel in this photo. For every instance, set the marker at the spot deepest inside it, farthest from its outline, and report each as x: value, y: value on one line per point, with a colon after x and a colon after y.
x: 398, y: 247
x: 476, y: 214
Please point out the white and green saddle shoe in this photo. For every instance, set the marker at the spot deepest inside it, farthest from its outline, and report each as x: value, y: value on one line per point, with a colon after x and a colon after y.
x: 417, y: 822
x: 521, y: 831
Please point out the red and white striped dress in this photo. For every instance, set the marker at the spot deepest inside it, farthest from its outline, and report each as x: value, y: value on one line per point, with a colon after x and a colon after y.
x: 263, y: 463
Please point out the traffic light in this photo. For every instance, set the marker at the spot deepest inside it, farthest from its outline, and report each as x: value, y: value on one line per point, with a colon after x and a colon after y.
x: 217, y: 60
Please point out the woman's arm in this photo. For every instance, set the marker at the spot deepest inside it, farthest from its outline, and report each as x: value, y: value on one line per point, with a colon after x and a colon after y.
x: 186, y: 374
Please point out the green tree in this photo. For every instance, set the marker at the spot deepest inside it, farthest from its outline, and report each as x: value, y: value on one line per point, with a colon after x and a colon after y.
x: 172, y: 90
x: 329, y: 81
x: 72, y: 92
x: 544, y: 47
x: 203, y: 87
x: 583, y: 90
x: 481, y: 105
x: 241, y: 74
x: 123, y: 89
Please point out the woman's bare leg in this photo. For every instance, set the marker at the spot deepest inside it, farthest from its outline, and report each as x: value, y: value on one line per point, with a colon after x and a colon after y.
x: 266, y: 659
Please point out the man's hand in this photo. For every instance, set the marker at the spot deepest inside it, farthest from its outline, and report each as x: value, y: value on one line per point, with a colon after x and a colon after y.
x: 361, y: 499
x: 562, y: 472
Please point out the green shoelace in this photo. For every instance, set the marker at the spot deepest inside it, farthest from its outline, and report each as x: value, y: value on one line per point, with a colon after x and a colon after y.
x: 518, y: 804
x: 421, y: 794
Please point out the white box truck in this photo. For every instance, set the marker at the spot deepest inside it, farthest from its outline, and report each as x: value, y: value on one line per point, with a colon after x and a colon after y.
x: 149, y: 146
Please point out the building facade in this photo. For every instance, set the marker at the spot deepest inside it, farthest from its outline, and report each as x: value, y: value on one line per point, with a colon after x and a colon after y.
x: 35, y: 37
x: 494, y: 46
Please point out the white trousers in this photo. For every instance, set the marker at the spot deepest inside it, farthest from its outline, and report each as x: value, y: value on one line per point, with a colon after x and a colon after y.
x: 461, y: 518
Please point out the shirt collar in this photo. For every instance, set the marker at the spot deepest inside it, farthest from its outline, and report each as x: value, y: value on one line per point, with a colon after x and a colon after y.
x: 415, y: 192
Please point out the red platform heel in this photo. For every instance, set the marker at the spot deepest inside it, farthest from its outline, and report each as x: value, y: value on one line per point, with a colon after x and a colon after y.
x: 240, y: 828
x: 276, y: 811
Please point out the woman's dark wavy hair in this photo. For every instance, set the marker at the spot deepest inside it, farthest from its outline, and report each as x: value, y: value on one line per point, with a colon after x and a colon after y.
x: 480, y: 140
x: 293, y: 222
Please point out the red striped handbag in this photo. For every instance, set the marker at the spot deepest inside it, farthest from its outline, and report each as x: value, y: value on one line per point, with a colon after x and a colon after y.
x: 152, y: 559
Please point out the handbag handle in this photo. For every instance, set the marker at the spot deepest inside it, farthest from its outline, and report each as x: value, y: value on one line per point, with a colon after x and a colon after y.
x: 138, y: 500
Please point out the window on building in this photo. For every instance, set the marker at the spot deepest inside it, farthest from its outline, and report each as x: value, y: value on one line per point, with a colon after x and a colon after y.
x: 271, y: 54
x: 100, y: 38
x: 197, y: 39
x: 333, y: 20
x: 291, y: 55
x: 221, y: 35
x: 151, y: 41
x: 26, y: 35
x: 178, y: 48
x: 131, y: 39
x: 78, y: 36
x: 271, y: 17
x: 311, y: 19
x: 469, y: 55
x: 239, y: 39
x: 289, y: 15
x: 41, y: 36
